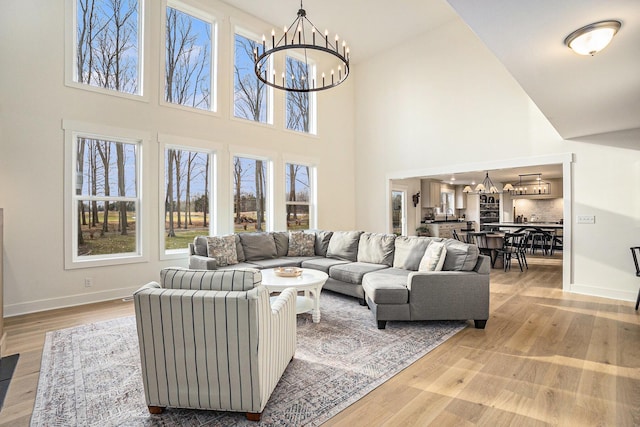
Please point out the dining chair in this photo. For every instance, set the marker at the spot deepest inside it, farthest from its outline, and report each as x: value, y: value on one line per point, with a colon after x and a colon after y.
x: 480, y: 240
x: 511, y: 248
x: 635, y: 252
x: 456, y: 236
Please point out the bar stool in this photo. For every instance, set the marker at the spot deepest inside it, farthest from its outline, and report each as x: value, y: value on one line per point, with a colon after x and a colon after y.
x: 635, y: 252
x: 540, y: 238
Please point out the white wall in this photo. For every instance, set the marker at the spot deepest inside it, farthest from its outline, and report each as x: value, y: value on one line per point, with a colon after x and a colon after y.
x: 33, y: 103
x: 443, y: 101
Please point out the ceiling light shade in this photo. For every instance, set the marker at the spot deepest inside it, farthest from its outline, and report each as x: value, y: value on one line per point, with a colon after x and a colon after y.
x: 312, y: 60
x: 592, y: 38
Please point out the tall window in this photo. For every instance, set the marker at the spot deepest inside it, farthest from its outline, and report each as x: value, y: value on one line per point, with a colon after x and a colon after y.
x: 298, y: 196
x: 249, y: 93
x: 106, y: 198
x: 299, y: 114
x: 187, y: 198
x: 250, y: 198
x: 398, y: 212
x: 188, y: 60
x: 107, y: 44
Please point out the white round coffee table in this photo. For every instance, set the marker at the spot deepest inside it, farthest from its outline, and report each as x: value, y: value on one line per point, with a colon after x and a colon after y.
x: 310, y: 282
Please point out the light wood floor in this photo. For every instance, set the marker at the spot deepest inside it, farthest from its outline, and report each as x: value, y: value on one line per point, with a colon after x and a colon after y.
x: 545, y: 358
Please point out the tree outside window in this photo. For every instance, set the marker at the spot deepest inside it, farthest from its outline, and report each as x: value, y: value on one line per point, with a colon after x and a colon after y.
x: 188, y: 60
x: 298, y: 104
x: 107, y: 46
x: 298, y: 196
x: 249, y: 194
x: 107, y: 198
x: 187, y: 184
x: 249, y: 93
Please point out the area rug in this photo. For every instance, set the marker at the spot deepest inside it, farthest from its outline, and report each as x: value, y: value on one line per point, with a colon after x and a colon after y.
x: 90, y: 375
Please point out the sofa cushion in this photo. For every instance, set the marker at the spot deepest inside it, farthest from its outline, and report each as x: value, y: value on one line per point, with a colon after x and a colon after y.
x: 301, y: 244
x: 200, y: 246
x: 223, y: 249
x: 434, y: 257
x: 322, y: 241
x: 344, y: 245
x: 353, y: 272
x: 240, y: 249
x: 275, y: 262
x: 386, y: 293
x: 236, y: 280
x: 460, y: 256
x: 409, y: 251
x: 282, y: 242
x: 258, y: 246
x: 376, y: 248
x: 322, y: 264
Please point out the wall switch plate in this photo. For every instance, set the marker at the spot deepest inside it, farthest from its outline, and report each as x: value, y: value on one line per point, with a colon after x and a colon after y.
x: 88, y: 282
x: 586, y: 219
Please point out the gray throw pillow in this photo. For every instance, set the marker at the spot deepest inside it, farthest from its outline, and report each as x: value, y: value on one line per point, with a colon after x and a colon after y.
x: 344, y: 245
x: 322, y: 241
x: 376, y: 248
x: 282, y: 242
x: 240, y: 250
x: 200, y: 245
x: 258, y: 246
x: 460, y: 256
x: 409, y: 251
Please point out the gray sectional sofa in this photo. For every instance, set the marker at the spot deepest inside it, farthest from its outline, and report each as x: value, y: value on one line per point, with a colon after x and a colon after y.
x: 381, y: 270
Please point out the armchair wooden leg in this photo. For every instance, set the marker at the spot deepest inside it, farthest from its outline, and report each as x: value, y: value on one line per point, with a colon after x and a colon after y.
x: 254, y: 416
x: 155, y: 410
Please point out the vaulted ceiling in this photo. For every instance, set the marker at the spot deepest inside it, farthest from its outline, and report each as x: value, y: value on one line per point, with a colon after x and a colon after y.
x: 590, y: 99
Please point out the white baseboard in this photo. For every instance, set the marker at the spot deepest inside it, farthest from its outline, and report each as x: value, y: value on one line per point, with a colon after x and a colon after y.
x: 603, y: 292
x: 66, y: 301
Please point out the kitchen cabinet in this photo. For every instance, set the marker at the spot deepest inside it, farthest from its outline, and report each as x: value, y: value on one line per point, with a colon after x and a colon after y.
x: 445, y: 229
x: 489, y: 208
x: 430, y: 193
x: 461, y: 198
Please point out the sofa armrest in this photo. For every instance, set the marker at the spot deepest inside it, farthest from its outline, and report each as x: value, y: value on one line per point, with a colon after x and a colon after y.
x: 449, y: 295
x: 199, y: 262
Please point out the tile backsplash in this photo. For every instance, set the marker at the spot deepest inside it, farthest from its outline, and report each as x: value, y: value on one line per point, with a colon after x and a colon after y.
x: 544, y: 210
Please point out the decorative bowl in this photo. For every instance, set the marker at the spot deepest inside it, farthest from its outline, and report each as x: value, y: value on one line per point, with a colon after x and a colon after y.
x: 287, y: 271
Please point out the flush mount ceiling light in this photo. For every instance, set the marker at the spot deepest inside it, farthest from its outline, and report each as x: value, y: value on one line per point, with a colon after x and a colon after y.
x: 311, y: 61
x: 592, y: 38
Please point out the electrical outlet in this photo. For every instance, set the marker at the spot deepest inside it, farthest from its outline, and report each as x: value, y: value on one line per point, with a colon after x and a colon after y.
x: 586, y: 219
x: 88, y: 282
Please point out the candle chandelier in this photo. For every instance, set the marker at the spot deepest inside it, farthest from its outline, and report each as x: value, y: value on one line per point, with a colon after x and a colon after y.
x: 522, y: 188
x: 312, y: 60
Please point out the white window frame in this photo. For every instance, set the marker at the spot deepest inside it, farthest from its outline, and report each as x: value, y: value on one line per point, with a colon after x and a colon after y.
x: 313, y: 200
x: 189, y: 144
x: 397, y: 188
x: 242, y: 31
x: 266, y: 157
x: 73, y: 130
x: 313, y: 116
x: 204, y: 16
x: 71, y: 59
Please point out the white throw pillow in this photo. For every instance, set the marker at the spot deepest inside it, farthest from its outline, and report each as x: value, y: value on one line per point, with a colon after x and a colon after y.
x: 433, y: 258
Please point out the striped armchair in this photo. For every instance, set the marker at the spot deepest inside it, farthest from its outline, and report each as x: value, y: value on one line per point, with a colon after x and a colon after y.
x: 212, y: 340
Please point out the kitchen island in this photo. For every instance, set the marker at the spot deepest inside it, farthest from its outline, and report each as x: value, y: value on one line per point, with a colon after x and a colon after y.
x: 445, y: 229
x: 548, y: 229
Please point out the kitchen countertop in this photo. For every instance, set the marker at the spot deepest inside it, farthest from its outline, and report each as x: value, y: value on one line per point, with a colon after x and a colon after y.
x: 524, y: 224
